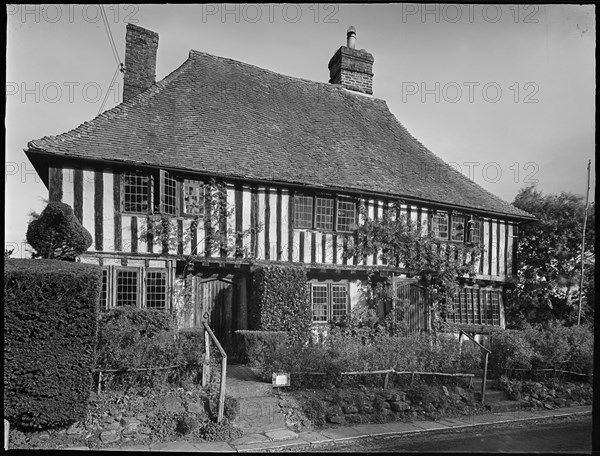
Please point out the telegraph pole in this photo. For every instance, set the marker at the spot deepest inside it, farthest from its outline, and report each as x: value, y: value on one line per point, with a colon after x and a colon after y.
x: 587, y: 193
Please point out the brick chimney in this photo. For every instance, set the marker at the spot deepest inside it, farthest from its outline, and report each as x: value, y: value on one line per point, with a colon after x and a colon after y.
x: 351, y: 67
x: 140, y: 60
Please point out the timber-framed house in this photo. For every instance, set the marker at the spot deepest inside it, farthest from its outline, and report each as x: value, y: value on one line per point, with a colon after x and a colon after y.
x: 295, y: 158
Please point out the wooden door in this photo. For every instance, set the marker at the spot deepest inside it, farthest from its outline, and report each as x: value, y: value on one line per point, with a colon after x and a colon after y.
x: 215, y: 306
x: 412, y: 305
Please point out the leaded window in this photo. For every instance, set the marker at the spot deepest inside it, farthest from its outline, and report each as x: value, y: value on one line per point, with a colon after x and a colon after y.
x: 440, y: 225
x: 319, y: 298
x: 156, y: 289
x: 324, y: 213
x: 169, y: 194
x: 303, y: 211
x: 193, y: 197
x: 127, y: 288
x: 346, y: 215
x: 136, y: 192
x: 458, y: 228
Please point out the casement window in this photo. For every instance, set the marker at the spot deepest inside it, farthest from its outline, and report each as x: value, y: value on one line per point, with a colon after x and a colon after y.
x: 330, y: 301
x: 104, y: 290
x: 303, y: 211
x: 136, y: 192
x: 134, y: 286
x: 168, y: 196
x: 439, y: 223
x: 346, y: 215
x: 474, y: 230
x: 456, y: 227
x: 324, y: 213
x: 156, y: 289
x: 127, y: 284
x: 458, y: 223
x: 476, y: 306
x: 193, y: 197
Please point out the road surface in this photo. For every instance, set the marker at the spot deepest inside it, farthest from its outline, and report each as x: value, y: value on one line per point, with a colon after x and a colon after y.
x: 572, y: 435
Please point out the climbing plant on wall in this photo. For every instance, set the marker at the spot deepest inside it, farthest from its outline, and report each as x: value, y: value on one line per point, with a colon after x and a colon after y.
x: 436, y: 264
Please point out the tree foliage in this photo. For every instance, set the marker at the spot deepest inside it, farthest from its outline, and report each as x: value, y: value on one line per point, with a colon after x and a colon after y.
x: 549, y: 257
x: 436, y: 264
x: 57, y: 234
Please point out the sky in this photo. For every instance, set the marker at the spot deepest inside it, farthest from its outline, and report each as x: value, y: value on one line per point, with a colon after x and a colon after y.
x: 504, y: 93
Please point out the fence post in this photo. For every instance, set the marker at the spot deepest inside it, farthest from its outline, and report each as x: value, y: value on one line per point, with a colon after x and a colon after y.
x: 222, y: 390
x: 206, y: 365
x: 386, y: 380
x: 6, y: 434
x: 484, y: 378
x: 99, y: 382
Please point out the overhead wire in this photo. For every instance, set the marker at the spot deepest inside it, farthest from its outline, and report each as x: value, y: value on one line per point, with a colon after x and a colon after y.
x: 120, y: 67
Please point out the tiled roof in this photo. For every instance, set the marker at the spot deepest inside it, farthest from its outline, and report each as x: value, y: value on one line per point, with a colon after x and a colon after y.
x: 221, y: 116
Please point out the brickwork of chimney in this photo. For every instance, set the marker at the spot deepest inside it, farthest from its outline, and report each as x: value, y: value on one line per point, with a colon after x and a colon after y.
x: 141, y: 46
x: 353, y: 69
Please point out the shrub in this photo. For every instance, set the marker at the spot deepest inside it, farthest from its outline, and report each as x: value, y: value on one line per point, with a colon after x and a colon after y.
x: 555, y: 346
x: 257, y: 346
x: 132, y: 338
x: 280, y: 302
x: 57, y: 234
x: 511, y: 349
x: 50, y: 330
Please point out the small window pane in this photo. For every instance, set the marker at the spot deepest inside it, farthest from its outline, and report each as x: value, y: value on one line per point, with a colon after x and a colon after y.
x: 303, y: 211
x: 346, y: 216
x: 169, y: 194
x: 495, y: 295
x: 474, y: 232
x: 156, y: 290
x: 319, y: 302
x: 193, y: 197
x: 127, y: 288
x: 339, y: 301
x: 458, y: 228
x: 135, y: 197
x: 440, y: 225
x: 324, y: 214
x: 463, y: 306
x: 104, y: 292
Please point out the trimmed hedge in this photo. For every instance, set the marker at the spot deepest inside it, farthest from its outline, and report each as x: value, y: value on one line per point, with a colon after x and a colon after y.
x: 256, y: 347
x: 280, y: 302
x: 50, y: 329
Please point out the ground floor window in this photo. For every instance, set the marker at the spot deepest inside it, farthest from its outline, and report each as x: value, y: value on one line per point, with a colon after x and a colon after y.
x: 134, y: 286
x: 329, y: 300
x: 476, y: 306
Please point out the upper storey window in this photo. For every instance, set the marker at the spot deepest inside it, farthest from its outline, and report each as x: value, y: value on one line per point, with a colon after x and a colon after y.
x: 456, y: 227
x: 324, y: 213
x: 136, y: 192
x: 193, y: 197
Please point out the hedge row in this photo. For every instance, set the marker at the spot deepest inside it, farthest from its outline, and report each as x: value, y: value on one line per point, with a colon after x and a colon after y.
x: 556, y: 346
x: 280, y: 301
x: 50, y: 329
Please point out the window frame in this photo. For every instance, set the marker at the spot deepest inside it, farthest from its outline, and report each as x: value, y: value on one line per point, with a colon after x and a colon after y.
x: 435, y: 225
x: 112, y: 273
x: 114, y: 284
x: 335, y: 222
x: 165, y: 272
x: 201, y: 185
x: 149, y: 191
x: 329, y: 306
x: 476, y: 306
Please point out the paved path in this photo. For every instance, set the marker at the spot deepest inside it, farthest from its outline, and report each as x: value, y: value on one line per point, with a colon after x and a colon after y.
x: 282, y: 438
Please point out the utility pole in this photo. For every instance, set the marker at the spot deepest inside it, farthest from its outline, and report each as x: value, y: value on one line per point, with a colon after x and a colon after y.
x: 587, y: 193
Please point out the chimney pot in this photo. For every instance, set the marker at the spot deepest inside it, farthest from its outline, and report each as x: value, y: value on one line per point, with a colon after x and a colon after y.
x: 351, y: 37
x: 352, y: 68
